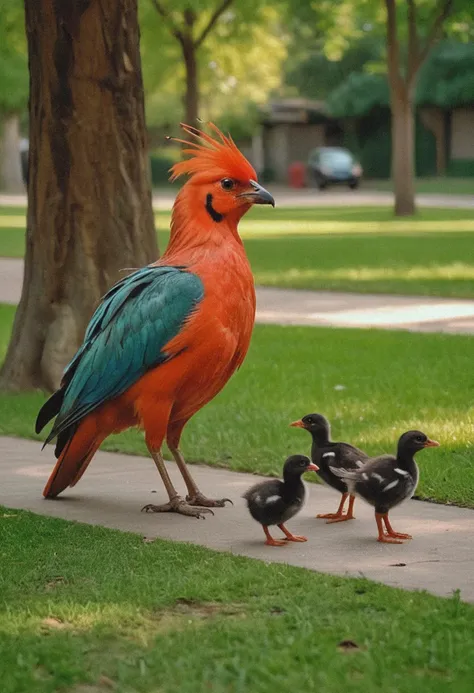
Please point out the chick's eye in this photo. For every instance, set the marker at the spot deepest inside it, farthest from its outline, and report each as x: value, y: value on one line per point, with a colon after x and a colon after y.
x: 227, y: 183
x: 420, y: 439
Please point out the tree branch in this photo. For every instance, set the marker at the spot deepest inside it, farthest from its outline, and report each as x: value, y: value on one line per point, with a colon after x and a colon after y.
x: 393, y: 46
x: 413, y: 42
x: 163, y: 12
x: 443, y: 13
x: 214, y: 17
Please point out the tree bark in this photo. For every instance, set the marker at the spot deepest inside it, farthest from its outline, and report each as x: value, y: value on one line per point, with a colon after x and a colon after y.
x: 89, y: 197
x: 11, y: 178
x: 191, y: 96
x: 403, y: 152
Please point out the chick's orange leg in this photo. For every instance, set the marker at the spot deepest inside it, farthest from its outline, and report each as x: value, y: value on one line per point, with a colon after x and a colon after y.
x: 338, y: 516
x: 344, y: 516
x: 270, y: 540
x: 289, y: 536
x: 383, y: 537
x: 391, y: 532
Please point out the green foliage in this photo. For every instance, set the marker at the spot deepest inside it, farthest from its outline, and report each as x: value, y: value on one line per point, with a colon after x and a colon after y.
x: 13, y: 57
x: 358, y: 95
x: 239, y: 63
x: 447, y: 78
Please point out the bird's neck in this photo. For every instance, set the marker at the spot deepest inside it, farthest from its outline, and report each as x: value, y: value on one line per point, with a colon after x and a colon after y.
x: 405, y: 459
x: 194, y: 233
x: 320, y: 438
x: 292, y: 484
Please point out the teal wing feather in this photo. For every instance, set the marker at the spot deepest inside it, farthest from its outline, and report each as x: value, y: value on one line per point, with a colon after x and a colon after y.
x: 126, y: 337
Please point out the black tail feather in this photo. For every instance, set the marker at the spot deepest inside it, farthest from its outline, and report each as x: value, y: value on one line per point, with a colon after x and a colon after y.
x: 64, y: 438
x: 50, y: 409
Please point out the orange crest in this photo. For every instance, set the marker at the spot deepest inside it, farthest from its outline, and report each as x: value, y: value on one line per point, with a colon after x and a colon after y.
x: 211, y: 158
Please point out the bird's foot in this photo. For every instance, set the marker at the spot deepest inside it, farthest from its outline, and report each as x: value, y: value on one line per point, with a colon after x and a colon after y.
x: 388, y: 539
x: 201, y: 500
x: 340, y: 518
x: 177, y: 505
x: 328, y: 516
x: 400, y: 535
x: 295, y: 537
x: 275, y: 542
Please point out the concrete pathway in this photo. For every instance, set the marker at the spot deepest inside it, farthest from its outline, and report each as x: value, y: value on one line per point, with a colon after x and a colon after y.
x: 309, y: 197
x: 323, y: 308
x: 439, y: 559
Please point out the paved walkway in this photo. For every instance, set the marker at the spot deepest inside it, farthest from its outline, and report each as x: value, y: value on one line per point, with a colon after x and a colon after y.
x: 309, y: 197
x: 291, y: 307
x: 439, y: 559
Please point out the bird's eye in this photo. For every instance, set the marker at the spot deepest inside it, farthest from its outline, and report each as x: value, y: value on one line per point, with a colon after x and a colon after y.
x: 309, y: 421
x: 420, y: 439
x: 227, y: 184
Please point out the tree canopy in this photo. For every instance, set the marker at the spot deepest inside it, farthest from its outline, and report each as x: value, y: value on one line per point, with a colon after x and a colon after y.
x: 13, y: 57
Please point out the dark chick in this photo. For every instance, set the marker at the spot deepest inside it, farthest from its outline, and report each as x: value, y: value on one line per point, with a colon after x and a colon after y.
x: 274, y: 502
x: 387, y: 481
x: 326, y: 455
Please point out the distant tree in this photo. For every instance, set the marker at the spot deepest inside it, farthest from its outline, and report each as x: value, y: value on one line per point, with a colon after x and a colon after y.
x: 421, y: 34
x: 411, y: 29
x: 89, y: 200
x: 13, y: 92
x: 190, y: 24
x: 239, y: 64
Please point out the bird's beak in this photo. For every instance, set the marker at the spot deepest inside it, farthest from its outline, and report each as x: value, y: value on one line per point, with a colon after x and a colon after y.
x: 257, y: 195
x: 297, y: 424
x: 312, y: 468
x: 431, y: 444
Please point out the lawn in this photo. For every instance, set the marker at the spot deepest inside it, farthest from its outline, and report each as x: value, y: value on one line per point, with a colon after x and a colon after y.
x: 373, y: 385
x: 88, y: 610
x: 435, y: 186
x: 340, y: 249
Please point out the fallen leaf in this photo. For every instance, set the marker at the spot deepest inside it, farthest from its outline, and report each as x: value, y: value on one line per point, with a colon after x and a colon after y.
x: 397, y: 565
x: 52, y: 622
x: 148, y: 540
x: 9, y: 514
x: 105, y: 681
x: 348, y: 645
x: 54, y: 582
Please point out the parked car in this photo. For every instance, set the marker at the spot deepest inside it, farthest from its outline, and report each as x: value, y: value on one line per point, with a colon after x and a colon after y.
x: 333, y: 166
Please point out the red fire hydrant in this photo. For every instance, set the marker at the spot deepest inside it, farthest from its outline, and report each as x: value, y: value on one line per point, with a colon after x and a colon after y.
x: 297, y: 174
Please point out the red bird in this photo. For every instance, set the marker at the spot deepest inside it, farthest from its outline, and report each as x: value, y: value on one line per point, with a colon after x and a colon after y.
x: 167, y: 338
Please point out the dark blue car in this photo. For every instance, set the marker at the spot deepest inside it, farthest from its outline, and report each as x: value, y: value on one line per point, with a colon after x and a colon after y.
x: 333, y: 166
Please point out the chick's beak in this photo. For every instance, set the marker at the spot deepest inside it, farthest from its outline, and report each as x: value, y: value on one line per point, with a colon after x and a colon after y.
x: 297, y: 424
x: 312, y: 468
x: 257, y: 195
x: 431, y: 444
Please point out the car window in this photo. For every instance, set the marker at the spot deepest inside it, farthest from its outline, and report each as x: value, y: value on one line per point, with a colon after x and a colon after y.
x: 336, y: 158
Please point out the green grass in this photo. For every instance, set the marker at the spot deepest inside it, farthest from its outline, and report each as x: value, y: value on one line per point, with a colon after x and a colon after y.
x: 392, y: 381
x: 342, y: 249
x: 436, y: 185
x: 88, y: 610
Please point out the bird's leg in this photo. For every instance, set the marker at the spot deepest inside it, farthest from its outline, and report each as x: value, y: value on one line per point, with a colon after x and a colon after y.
x: 289, y: 536
x: 175, y: 504
x: 270, y: 540
x: 344, y: 517
x: 339, y: 512
x: 383, y: 537
x: 194, y: 497
x: 391, y: 532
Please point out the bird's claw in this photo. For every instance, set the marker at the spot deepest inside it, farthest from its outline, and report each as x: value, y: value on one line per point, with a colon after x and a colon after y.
x: 201, y: 500
x: 177, y: 505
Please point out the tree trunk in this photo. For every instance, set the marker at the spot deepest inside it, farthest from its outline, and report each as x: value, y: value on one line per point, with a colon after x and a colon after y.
x: 191, y: 98
x: 89, y: 198
x: 403, y: 147
x: 11, y: 178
